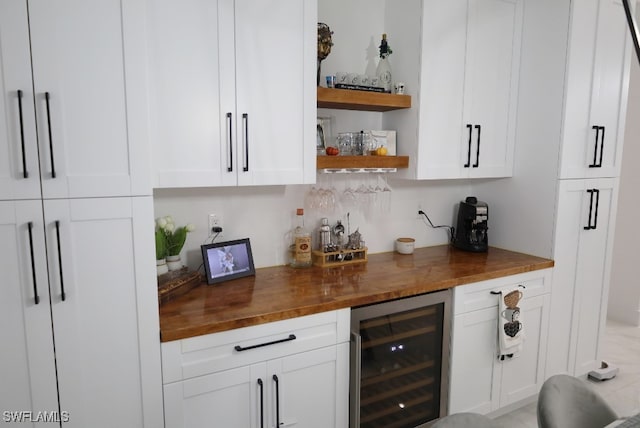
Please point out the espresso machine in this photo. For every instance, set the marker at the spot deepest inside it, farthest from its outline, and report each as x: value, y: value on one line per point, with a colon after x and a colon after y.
x: 471, y: 229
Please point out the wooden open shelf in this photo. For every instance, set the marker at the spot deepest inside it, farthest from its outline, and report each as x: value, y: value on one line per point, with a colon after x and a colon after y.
x: 347, y: 99
x: 324, y: 162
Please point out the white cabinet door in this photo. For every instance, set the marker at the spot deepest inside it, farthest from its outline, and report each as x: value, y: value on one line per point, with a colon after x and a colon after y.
x: 275, y: 89
x: 467, y: 87
x: 480, y: 381
x: 88, y: 82
x: 232, y: 89
x: 308, y: 389
x: 582, y: 254
x: 103, y: 297
x: 491, y: 86
x: 188, y: 131
x: 522, y: 377
x: 474, y: 372
x: 19, y: 171
x: 28, y: 363
x: 231, y: 398
x: 596, y: 90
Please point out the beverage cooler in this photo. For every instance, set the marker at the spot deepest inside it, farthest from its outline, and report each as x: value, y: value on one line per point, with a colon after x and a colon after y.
x: 400, y: 362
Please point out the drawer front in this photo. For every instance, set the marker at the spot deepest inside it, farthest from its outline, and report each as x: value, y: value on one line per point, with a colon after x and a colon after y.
x: 197, y: 356
x: 472, y: 297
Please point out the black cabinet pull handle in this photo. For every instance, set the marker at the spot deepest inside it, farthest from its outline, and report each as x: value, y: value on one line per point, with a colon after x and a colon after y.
x: 275, y: 379
x: 260, y: 345
x: 25, y: 173
x: 470, y: 128
x: 63, y: 295
x: 595, y: 217
x: 229, y: 132
x: 588, y: 226
x: 36, y: 298
x: 597, y: 161
x: 475, y: 165
x: 53, y: 165
x: 261, y: 385
x: 245, y: 122
x: 595, y: 147
x: 602, y: 128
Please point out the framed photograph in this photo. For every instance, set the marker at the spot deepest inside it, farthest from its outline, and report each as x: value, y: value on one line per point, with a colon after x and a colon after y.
x: 227, y: 260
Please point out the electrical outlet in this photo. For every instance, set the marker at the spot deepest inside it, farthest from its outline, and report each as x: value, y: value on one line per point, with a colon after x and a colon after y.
x: 215, y: 220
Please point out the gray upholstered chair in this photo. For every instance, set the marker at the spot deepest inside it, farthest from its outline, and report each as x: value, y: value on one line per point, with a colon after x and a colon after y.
x: 567, y: 402
x: 465, y: 420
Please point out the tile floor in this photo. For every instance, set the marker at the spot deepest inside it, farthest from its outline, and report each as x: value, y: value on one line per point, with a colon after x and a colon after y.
x: 621, y: 349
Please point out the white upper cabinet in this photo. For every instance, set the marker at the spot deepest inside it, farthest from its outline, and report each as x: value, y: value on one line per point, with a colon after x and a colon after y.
x: 232, y: 92
x: 19, y: 170
x: 83, y: 91
x: 597, y: 82
x: 466, y: 86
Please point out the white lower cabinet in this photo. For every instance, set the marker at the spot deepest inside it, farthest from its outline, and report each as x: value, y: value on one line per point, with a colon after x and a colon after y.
x: 299, y: 381
x: 78, y: 313
x: 480, y: 382
x: 582, y: 251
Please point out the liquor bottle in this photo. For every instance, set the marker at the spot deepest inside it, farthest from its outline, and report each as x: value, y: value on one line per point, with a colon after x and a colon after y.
x: 301, y: 245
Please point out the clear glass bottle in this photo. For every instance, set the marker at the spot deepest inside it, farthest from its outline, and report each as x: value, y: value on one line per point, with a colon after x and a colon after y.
x: 301, y: 245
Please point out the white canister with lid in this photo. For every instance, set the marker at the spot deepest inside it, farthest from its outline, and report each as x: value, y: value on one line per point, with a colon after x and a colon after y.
x: 405, y: 245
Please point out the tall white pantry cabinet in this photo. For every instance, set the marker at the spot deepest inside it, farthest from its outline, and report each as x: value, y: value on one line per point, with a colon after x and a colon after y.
x: 78, y: 302
x: 592, y: 135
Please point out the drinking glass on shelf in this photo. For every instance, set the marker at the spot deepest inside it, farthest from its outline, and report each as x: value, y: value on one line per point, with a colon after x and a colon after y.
x: 346, y: 143
x: 369, y: 144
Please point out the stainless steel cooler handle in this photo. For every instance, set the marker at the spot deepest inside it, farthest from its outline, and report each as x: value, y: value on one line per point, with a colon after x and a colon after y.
x: 356, y: 377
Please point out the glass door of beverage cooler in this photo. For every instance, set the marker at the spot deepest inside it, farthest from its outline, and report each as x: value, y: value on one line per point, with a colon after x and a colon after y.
x: 399, y: 362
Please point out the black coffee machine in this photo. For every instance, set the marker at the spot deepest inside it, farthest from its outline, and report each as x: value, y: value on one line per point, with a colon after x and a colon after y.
x: 471, y: 230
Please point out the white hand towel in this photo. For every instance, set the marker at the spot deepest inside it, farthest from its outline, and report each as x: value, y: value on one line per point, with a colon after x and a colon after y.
x: 510, y: 323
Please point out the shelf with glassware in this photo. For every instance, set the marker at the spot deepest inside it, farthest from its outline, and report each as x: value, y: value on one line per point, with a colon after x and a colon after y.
x: 359, y: 163
x: 346, y: 99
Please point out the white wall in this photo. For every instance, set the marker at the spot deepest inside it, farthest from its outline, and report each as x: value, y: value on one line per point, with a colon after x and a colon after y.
x: 265, y: 215
x: 522, y: 208
x: 624, y: 289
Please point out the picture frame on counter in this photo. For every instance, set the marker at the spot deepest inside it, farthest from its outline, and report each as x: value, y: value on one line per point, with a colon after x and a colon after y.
x: 224, y: 261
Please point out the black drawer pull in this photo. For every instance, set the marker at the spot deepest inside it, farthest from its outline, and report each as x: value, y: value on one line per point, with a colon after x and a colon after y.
x: 36, y: 298
x: 230, y: 138
x: 260, y: 345
x: 475, y: 165
x: 470, y: 128
x: 245, y: 120
x: 63, y: 295
x: 261, y: 385
x: 277, y: 381
x: 25, y: 173
x: 47, y: 96
x: 597, y: 161
x: 591, y: 193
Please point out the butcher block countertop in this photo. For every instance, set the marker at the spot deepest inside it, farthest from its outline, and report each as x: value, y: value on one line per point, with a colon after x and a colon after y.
x: 281, y: 292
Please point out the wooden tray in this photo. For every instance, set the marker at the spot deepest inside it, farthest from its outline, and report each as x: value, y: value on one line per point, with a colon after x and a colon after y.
x: 337, y: 258
x: 176, y: 283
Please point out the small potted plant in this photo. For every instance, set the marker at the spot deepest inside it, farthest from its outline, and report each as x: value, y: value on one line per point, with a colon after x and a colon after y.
x: 169, y: 241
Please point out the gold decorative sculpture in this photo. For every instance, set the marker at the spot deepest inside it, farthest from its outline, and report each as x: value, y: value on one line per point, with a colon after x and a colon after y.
x: 324, y: 45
